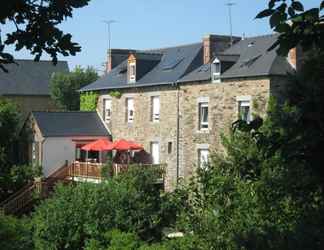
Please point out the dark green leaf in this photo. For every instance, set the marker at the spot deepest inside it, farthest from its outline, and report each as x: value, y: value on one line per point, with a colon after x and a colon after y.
x: 297, y: 6
x: 276, y: 19
x: 322, y: 5
x: 265, y: 13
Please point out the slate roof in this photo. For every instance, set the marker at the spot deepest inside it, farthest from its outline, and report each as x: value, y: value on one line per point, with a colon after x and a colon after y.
x: 255, y: 59
x: 29, y: 77
x: 157, y: 76
x: 63, y: 124
x: 249, y: 57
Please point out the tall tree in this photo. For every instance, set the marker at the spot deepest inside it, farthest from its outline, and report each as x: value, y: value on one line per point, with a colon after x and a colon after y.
x: 36, y: 28
x: 295, y: 25
x: 65, y: 86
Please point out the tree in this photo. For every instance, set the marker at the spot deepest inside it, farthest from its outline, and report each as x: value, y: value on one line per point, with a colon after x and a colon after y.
x: 64, y: 86
x: 295, y: 25
x: 36, y: 28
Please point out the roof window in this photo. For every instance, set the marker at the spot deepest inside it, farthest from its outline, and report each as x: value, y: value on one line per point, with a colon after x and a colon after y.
x: 171, y: 63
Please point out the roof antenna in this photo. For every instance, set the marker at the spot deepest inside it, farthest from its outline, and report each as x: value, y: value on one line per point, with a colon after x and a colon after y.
x: 109, y: 22
x: 230, y: 5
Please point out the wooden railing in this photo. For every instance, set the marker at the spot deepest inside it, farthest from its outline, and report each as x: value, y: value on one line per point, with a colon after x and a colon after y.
x: 26, y: 196
x: 85, y: 170
x: 93, y: 170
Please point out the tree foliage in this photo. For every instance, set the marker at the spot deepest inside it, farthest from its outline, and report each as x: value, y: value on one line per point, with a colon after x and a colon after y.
x: 295, y: 25
x: 36, y: 28
x: 64, y: 86
x: 130, y: 203
x: 88, y: 101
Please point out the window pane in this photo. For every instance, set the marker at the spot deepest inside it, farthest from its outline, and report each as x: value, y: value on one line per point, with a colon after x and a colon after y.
x: 107, y: 109
x: 203, y: 155
x: 155, y: 102
x: 130, y: 109
x: 244, y: 111
x: 155, y: 152
x: 203, y: 115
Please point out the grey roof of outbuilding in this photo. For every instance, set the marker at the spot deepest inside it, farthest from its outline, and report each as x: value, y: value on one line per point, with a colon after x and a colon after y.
x: 157, y: 76
x: 29, y: 77
x: 64, y: 124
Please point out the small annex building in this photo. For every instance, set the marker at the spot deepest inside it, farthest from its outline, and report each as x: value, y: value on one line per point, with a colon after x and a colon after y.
x: 57, y: 137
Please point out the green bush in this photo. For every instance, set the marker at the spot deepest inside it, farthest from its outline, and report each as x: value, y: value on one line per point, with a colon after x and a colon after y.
x: 83, y: 213
x: 15, y: 234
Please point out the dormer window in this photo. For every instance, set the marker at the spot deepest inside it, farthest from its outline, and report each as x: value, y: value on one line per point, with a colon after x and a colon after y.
x: 132, y: 72
x: 216, y: 71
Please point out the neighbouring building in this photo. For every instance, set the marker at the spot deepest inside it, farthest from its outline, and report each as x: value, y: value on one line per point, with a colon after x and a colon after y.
x: 56, y: 137
x: 177, y: 101
x: 27, y: 84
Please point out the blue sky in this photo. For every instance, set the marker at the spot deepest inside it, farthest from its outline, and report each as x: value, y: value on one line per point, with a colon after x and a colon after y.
x: 155, y: 23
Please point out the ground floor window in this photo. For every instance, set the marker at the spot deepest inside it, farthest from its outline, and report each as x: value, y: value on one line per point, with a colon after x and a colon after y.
x: 155, y: 152
x: 203, y: 158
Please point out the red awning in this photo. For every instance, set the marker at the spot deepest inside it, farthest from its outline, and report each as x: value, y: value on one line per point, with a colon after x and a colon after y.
x: 99, y: 145
x: 123, y: 145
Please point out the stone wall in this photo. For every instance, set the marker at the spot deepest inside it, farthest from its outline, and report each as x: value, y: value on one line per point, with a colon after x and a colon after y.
x: 223, y: 111
x: 143, y: 130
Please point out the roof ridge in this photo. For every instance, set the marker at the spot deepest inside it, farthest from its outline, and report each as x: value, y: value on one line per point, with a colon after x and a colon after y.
x: 260, y: 36
x: 19, y: 59
x: 173, y: 47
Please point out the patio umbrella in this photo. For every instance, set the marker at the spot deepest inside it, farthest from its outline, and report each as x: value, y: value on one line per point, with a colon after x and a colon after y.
x: 99, y: 145
x: 123, y: 145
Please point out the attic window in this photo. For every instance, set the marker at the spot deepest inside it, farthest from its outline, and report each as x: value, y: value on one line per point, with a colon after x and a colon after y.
x: 250, y: 62
x: 171, y: 64
x: 251, y: 44
x: 132, y: 72
x: 216, y: 71
x: 204, y: 68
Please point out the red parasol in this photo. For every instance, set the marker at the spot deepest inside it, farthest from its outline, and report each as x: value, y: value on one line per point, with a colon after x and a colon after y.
x: 123, y: 145
x: 99, y: 145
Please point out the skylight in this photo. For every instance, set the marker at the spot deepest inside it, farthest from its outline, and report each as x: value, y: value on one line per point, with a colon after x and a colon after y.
x: 171, y: 64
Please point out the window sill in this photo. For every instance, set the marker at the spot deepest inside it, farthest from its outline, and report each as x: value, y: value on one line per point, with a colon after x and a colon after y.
x: 203, y: 131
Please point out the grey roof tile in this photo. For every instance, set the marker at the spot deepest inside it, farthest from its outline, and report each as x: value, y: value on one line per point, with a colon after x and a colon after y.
x: 61, y: 124
x: 29, y: 77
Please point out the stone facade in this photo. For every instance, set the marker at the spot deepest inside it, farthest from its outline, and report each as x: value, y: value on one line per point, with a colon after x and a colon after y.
x: 179, y: 117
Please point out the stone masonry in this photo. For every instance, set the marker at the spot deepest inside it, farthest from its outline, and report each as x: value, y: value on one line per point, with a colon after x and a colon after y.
x: 223, y: 111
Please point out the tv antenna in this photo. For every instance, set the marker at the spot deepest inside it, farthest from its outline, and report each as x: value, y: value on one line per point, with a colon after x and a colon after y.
x: 109, y: 22
x: 230, y: 5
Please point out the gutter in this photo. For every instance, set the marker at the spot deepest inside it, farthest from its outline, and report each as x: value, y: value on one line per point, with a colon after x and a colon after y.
x: 178, y: 131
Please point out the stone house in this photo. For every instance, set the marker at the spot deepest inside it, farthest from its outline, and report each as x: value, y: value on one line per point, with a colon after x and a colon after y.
x: 177, y: 101
x: 27, y: 84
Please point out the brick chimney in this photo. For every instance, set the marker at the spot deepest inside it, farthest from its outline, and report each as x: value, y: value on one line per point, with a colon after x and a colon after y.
x: 213, y: 44
x: 116, y: 57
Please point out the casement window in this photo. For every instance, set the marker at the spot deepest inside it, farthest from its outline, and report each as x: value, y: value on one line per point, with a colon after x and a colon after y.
x: 129, y: 110
x: 203, y: 116
x: 155, y: 108
x: 107, y: 110
x: 203, y: 157
x: 244, y: 110
x: 132, y: 72
x: 155, y: 152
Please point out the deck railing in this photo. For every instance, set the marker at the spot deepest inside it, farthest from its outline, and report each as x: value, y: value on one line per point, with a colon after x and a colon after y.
x: 94, y: 170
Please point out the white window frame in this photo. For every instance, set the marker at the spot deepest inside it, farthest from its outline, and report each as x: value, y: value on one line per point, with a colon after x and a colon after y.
x: 130, y: 109
x: 216, y: 74
x: 155, y: 108
x: 107, y: 110
x: 203, y: 125
x: 244, y: 101
x: 132, y: 72
x: 155, y: 158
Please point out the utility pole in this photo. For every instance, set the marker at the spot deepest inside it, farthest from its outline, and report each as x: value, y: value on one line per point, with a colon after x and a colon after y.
x: 230, y: 5
x: 109, y: 22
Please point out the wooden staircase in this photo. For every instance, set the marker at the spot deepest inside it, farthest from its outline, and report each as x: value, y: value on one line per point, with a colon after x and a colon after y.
x: 39, y: 189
